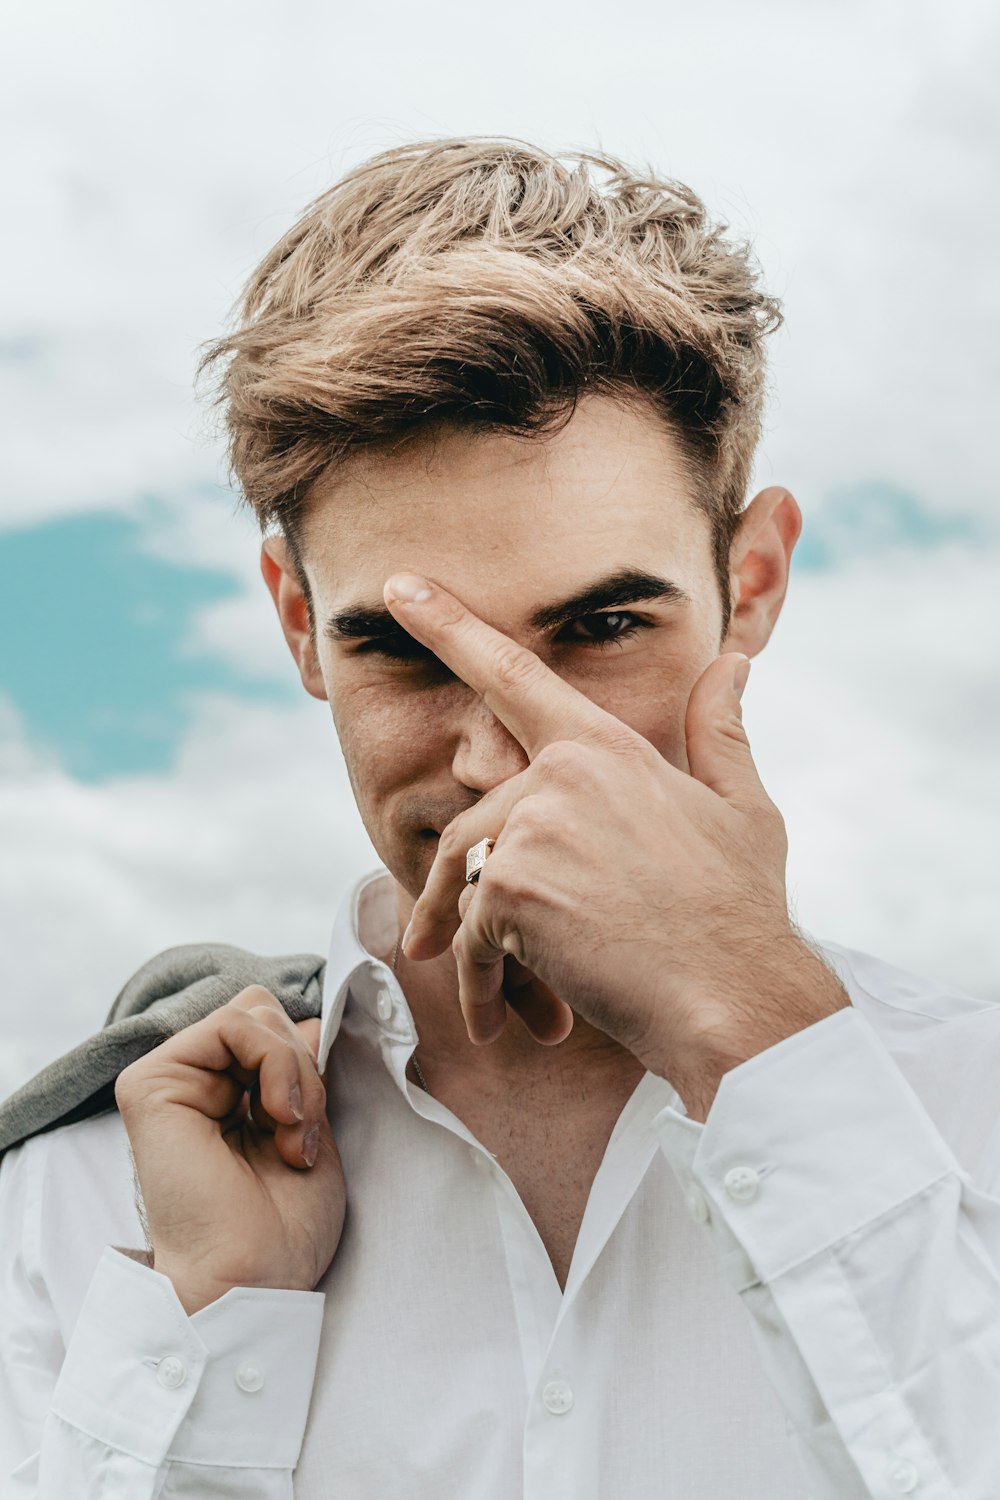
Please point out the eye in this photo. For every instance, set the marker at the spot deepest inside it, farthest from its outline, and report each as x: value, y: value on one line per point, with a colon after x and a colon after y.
x: 401, y: 649
x: 603, y: 629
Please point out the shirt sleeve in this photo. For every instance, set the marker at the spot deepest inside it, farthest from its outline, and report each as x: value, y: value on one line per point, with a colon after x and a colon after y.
x: 145, y: 1399
x: 867, y: 1259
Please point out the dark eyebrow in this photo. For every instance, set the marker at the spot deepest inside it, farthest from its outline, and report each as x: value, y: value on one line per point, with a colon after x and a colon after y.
x: 627, y: 586
x: 359, y: 623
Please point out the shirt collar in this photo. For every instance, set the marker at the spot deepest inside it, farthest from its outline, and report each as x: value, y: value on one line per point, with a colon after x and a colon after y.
x: 367, y: 924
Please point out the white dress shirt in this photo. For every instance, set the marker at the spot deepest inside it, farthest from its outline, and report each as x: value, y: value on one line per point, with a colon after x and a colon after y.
x: 799, y: 1298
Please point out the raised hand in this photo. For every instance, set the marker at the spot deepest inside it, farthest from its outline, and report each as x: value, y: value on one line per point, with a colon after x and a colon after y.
x: 648, y: 900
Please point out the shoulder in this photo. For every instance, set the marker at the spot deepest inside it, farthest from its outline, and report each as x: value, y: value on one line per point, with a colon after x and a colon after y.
x: 85, y: 1163
x: 890, y: 995
x: 64, y: 1195
x: 945, y: 1041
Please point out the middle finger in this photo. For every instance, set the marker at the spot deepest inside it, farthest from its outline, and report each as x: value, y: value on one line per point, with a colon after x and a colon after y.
x: 435, y: 918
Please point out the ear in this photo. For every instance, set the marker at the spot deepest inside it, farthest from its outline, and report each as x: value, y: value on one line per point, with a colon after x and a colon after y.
x: 759, y: 561
x: 293, y: 611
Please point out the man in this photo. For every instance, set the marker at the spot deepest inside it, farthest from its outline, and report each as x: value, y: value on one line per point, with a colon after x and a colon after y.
x: 591, y: 1176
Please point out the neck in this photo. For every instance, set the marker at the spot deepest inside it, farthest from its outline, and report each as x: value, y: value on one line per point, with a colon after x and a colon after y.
x: 515, y: 1059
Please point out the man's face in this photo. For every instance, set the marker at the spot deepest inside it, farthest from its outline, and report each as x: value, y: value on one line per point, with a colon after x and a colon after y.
x: 518, y: 529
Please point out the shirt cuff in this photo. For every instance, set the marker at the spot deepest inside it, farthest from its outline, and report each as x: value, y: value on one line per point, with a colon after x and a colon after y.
x: 227, y: 1386
x: 805, y: 1143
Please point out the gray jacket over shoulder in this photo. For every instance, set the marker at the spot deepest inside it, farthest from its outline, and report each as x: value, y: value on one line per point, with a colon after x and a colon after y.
x: 171, y: 991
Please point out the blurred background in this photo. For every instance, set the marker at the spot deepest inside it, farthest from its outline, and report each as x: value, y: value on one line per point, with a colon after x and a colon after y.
x: 163, y: 777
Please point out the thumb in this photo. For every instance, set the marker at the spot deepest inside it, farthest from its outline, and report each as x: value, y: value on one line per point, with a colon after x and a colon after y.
x: 718, y: 750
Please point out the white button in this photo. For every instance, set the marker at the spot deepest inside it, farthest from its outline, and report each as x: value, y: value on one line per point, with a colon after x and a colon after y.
x: 742, y: 1183
x: 171, y: 1372
x: 249, y: 1377
x: 384, y: 1003
x: 481, y: 1159
x: 903, y: 1476
x: 557, y: 1397
x: 696, y: 1204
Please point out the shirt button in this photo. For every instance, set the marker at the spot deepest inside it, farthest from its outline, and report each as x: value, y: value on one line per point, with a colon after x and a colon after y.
x: 742, y: 1183
x: 903, y: 1477
x: 249, y: 1377
x: 171, y: 1372
x: 384, y: 1005
x: 697, y: 1206
x: 557, y: 1397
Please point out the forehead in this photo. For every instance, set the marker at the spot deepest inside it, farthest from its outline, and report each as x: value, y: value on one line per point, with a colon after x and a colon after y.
x: 492, y: 513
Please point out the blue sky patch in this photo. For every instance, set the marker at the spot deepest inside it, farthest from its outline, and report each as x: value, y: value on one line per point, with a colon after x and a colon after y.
x: 93, y: 631
x: 873, y: 518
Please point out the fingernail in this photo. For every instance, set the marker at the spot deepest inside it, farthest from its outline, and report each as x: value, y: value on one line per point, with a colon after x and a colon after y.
x: 740, y: 676
x: 408, y: 588
x: 310, y: 1145
x: 406, y: 935
x: 295, y: 1101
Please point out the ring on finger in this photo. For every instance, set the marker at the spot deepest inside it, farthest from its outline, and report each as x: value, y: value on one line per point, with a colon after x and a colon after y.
x: 475, y: 860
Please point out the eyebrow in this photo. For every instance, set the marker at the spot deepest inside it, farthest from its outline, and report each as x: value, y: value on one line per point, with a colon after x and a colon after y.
x: 627, y: 586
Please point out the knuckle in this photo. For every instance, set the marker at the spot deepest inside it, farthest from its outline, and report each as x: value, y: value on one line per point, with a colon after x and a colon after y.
x: 255, y: 995
x: 772, y: 812
x: 516, y: 668
x: 529, y: 818
x: 452, y: 840
x: 562, y: 759
x: 510, y: 883
x: 127, y: 1086
x: 277, y: 1021
x: 732, y: 729
x: 452, y: 616
x: 774, y: 820
x: 621, y: 740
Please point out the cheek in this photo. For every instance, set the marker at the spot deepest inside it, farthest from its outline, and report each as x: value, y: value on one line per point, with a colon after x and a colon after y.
x: 650, y: 696
x: 386, y: 733
x: 659, y: 718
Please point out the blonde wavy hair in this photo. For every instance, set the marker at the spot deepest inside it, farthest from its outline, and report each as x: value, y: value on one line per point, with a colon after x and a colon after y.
x: 488, y: 283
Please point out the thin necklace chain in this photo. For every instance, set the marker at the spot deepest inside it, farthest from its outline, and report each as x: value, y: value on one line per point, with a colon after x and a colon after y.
x: 413, y: 1057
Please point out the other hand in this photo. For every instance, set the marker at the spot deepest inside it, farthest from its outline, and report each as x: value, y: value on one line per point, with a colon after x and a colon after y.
x: 239, y: 1172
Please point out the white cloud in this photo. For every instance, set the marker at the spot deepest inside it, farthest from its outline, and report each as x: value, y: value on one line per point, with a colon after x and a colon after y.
x: 163, y: 149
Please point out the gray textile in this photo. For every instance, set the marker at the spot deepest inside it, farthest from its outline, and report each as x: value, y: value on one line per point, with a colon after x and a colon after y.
x: 171, y: 991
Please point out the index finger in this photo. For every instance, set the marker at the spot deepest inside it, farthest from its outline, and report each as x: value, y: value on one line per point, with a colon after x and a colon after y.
x: 529, y: 699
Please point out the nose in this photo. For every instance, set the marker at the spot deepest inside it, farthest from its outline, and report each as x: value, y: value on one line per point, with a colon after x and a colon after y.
x: 487, y: 754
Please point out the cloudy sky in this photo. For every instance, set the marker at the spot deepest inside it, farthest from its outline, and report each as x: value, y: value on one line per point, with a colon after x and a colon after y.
x: 163, y: 779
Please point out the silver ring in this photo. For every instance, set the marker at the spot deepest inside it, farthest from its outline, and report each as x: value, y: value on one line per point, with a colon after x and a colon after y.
x: 475, y: 859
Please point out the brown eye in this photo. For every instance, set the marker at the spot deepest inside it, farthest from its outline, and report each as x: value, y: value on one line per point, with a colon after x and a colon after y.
x: 603, y: 629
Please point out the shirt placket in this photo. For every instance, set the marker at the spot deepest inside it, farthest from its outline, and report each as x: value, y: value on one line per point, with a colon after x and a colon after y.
x: 558, y: 1453
x: 551, y: 1339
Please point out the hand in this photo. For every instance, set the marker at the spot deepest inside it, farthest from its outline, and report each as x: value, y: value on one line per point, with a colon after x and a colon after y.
x: 647, y: 900
x: 239, y: 1172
